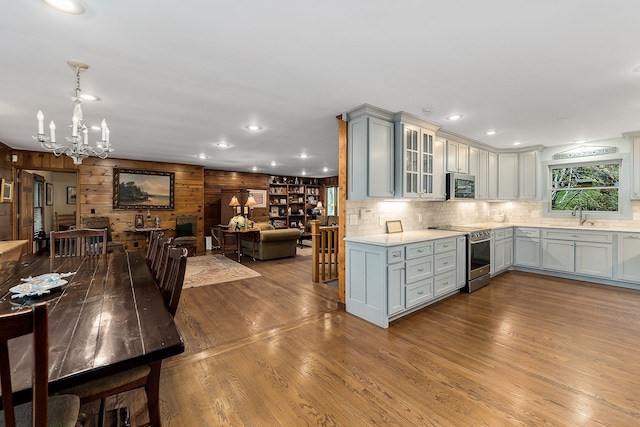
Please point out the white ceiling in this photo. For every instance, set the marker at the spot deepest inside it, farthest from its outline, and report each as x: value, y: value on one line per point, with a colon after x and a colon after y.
x: 175, y: 78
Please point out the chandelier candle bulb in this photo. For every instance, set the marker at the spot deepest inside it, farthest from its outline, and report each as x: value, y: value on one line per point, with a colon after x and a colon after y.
x: 40, y: 117
x: 74, y: 127
x: 86, y: 136
x: 52, y: 129
x: 103, y: 125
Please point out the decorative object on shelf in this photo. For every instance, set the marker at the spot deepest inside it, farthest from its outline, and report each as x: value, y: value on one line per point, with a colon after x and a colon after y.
x: 71, y: 195
x: 394, y: 226
x: 139, y: 223
x: 157, y: 221
x: 142, y: 189
x: 79, y: 138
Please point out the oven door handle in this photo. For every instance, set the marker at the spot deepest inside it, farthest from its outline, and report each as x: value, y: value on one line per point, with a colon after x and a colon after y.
x: 479, y: 241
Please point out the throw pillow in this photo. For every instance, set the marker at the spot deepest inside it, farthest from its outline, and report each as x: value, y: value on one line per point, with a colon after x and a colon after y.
x: 184, y: 230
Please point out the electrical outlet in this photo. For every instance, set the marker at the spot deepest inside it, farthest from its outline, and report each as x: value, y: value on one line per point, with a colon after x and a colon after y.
x: 93, y: 210
x: 353, y: 219
x: 419, y: 217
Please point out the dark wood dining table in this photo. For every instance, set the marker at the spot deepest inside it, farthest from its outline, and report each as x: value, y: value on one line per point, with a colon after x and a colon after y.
x: 109, y: 317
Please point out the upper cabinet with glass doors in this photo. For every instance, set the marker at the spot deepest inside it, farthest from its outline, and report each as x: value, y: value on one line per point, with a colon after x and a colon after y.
x: 419, y: 163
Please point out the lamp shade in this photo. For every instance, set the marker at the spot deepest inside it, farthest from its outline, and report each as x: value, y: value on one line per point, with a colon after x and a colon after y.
x: 319, y: 205
x: 234, y: 202
x: 251, y: 202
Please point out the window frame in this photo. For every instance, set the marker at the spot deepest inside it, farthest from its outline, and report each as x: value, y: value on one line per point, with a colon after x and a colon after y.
x: 624, y: 188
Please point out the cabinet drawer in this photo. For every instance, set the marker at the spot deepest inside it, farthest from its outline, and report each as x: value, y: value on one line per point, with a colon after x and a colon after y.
x: 528, y: 232
x: 417, y: 250
x: 498, y: 234
x: 444, y: 283
x: 444, y: 245
x: 508, y: 232
x: 444, y: 262
x: 579, y: 235
x: 419, y: 292
x: 419, y: 269
x: 395, y: 255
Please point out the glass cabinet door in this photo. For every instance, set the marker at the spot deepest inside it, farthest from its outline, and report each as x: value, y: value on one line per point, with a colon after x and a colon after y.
x: 411, y: 160
x: 426, y: 153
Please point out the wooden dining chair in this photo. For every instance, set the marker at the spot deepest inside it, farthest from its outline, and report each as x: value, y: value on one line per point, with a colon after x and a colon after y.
x: 98, y: 222
x: 152, y: 246
x: 160, y: 260
x: 62, y: 410
x: 147, y: 376
x: 173, y: 278
x: 84, y: 241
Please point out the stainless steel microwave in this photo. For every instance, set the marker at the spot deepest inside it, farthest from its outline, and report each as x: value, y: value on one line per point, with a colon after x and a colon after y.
x: 461, y: 187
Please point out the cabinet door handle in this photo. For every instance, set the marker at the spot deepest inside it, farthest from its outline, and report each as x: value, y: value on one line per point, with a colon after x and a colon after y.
x: 421, y: 269
x: 445, y: 283
x: 420, y: 292
x: 396, y: 255
x: 420, y: 251
x: 445, y: 263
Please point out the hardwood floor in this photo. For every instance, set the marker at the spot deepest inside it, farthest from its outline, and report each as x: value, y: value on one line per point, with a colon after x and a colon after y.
x: 526, y: 350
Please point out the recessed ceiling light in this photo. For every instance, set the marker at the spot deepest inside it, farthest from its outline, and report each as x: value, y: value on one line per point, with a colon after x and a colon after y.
x: 202, y: 156
x: 454, y: 117
x: 325, y: 169
x: 255, y: 168
x: 490, y: 132
x: 517, y: 143
x: 223, y: 145
x: 273, y: 163
x: 303, y: 173
x: 580, y: 141
x: 88, y: 97
x: 303, y: 156
x: 254, y: 128
x: 428, y: 109
x: 72, y: 7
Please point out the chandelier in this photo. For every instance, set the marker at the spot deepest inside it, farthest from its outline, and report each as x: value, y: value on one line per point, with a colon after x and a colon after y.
x: 79, y: 147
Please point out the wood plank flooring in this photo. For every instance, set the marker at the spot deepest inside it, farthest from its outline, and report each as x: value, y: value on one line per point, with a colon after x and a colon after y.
x: 277, y: 350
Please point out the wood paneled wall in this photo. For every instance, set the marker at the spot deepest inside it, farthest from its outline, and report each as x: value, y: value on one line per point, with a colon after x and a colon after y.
x: 95, y: 192
x: 215, y: 182
x: 6, y: 209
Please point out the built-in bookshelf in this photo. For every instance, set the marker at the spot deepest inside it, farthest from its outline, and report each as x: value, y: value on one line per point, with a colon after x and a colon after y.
x: 291, y: 199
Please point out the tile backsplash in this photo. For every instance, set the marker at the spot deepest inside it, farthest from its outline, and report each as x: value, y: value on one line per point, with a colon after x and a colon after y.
x: 366, y: 217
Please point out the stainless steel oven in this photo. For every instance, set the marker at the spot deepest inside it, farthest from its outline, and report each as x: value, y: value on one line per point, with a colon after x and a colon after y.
x: 478, y: 256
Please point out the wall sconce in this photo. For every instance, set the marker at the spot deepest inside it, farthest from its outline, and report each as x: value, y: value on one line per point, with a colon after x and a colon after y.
x: 14, y: 158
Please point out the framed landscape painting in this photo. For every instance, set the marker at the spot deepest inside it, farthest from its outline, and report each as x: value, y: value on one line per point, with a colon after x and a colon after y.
x: 142, y: 189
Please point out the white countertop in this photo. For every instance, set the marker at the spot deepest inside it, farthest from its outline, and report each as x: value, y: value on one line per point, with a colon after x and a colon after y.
x: 430, y: 234
x: 586, y: 227
x: 404, y: 237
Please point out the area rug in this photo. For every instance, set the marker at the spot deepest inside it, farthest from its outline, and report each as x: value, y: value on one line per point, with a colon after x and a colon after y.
x: 211, y: 269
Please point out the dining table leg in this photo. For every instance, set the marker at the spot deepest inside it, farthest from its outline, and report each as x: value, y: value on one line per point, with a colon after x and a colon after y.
x: 153, y: 393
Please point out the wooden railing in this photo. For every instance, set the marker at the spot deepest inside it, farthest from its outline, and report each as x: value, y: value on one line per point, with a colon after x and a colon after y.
x: 324, y: 245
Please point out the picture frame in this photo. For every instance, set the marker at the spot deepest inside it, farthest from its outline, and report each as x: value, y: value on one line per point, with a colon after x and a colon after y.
x: 394, y: 226
x: 260, y: 196
x: 49, y: 194
x: 6, y: 191
x: 139, y: 222
x: 143, y: 189
x: 72, y: 195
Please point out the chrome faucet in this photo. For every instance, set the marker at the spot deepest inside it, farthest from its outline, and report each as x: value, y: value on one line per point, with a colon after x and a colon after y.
x: 581, y: 218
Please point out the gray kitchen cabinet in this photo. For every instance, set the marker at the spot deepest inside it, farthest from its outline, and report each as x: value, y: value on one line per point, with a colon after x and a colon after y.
x: 419, y: 163
x: 502, y: 254
x: 558, y: 255
x: 395, y: 289
x: 492, y: 180
x: 457, y: 157
x: 507, y: 176
x: 635, y: 194
x: 461, y: 265
x: 371, y: 154
x: 588, y: 253
x: 387, y: 282
x: 527, y: 247
x: 529, y: 175
x: 628, y: 257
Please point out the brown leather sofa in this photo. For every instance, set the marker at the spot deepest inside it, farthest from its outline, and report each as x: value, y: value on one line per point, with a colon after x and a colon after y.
x: 273, y: 243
